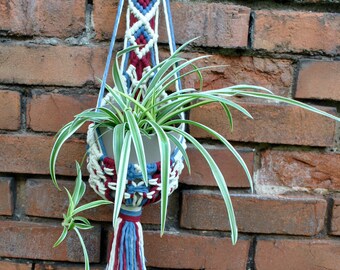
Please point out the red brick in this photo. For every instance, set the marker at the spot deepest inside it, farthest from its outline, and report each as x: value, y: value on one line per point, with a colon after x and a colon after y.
x: 56, y: 203
x: 51, y: 65
x: 48, y: 266
x: 285, y: 31
x: 274, y: 74
x: 254, y: 214
x: 32, y: 240
x: 152, y: 213
x: 10, y: 110
x: 13, y: 16
x: 61, y: 110
x: 230, y: 167
x: 335, y: 222
x: 219, y: 25
x: 11, y: 265
x: 30, y: 154
x: 188, y: 251
x: 283, y: 254
x: 98, y: 61
x: 6, y: 196
x: 280, y: 124
x: 319, y: 80
x: 104, y: 13
x: 298, y: 170
x: 43, y: 18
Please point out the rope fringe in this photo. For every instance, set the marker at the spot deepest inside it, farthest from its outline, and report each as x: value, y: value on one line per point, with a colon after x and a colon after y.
x: 127, y: 250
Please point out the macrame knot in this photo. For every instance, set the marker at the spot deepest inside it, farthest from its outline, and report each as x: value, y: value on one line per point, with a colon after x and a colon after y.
x: 130, y: 216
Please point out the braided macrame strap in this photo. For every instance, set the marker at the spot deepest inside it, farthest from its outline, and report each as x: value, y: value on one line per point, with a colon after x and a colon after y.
x: 142, y: 18
x: 109, y: 56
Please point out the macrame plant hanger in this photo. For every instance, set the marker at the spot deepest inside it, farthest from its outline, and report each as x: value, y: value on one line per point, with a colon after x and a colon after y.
x: 127, y: 252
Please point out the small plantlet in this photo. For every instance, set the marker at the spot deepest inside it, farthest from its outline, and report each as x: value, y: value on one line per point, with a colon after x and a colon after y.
x: 73, y: 222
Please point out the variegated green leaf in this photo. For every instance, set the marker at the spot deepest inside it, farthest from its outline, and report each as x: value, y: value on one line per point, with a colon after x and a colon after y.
x: 121, y: 176
x: 165, y: 152
x: 218, y: 177
x: 138, y: 144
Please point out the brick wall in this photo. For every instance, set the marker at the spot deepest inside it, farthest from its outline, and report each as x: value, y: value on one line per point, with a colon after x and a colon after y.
x: 52, y: 51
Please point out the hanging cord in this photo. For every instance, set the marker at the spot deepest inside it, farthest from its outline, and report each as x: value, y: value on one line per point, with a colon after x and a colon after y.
x: 109, y: 56
x: 172, y: 45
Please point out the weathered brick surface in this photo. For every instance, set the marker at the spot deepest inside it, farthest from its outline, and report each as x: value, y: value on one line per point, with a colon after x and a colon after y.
x: 30, y: 154
x: 274, y: 74
x: 56, y: 266
x: 45, y: 57
x: 6, y: 196
x: 228, y: 164
x: 298, y: 170
x: 11, y: 265
x: 56, y: 203
x: 219, y: 25
x: 104, y: 13
x: 10, y: 110
x: 255, y: 214
x: 51, y: 65
x: 35, y: 241
x: 187, y: 251
x: 319, y: 80
x: 282, y: 254
x: 278, y: 124
x: 335, y: 222
x: 152, y: 213
x: 43, y: 17
x: 50, y: 112
x: 285, y: 31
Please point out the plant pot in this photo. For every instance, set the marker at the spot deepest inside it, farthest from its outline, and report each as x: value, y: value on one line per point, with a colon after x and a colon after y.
x: 151, y: 146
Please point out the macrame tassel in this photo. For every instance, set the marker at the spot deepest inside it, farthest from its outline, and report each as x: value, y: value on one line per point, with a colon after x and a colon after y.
x: 127, y: 249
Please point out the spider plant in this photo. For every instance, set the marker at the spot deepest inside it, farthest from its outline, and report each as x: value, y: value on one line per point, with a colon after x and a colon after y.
x: 144, y: 111
x: 72, y: 221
